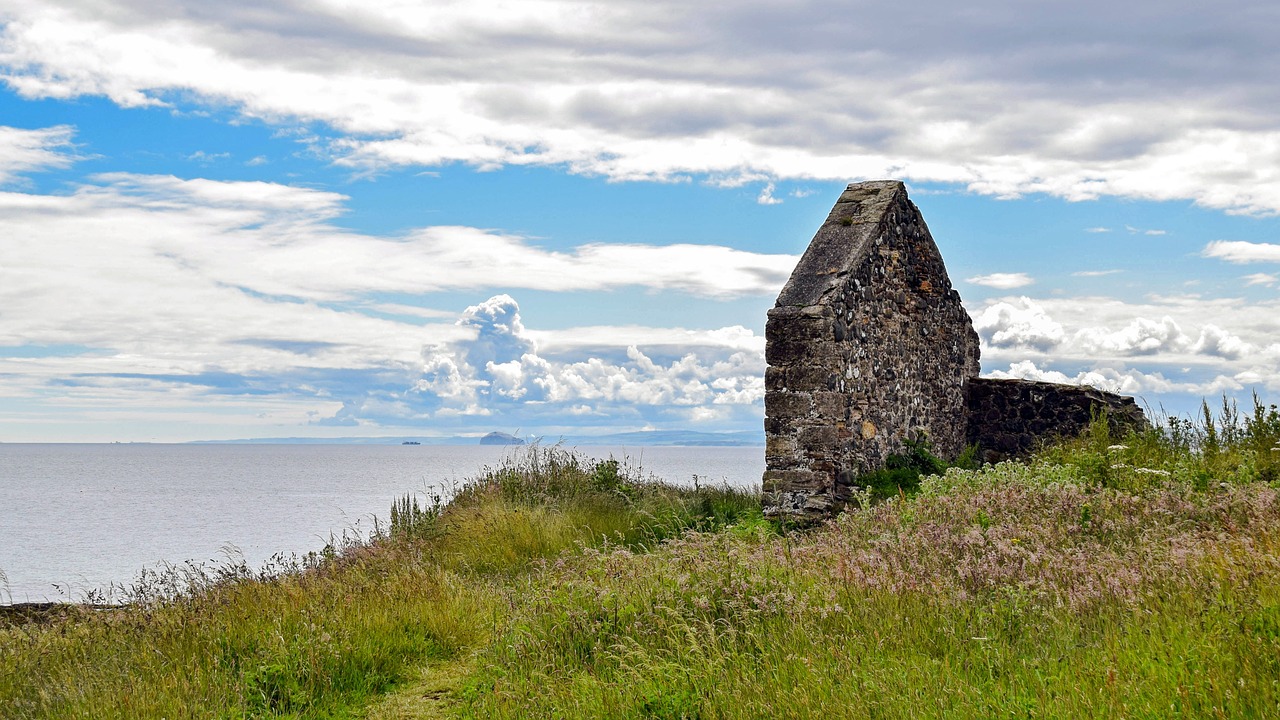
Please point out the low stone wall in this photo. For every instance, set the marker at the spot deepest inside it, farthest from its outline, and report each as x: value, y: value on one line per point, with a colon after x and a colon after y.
x: 1013, y: 417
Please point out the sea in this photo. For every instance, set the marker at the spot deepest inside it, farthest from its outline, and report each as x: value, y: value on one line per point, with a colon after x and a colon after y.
x: 78, y: 522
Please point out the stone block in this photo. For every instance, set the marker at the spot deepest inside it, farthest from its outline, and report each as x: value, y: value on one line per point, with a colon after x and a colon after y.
x: 816, y: 438
x: 780, y: 447
x: 785, y: 404
x: 795, y: 481
x: 831, y: 405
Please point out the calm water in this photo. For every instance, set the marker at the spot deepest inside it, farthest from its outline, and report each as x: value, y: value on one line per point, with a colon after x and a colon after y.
x: 78, y: 517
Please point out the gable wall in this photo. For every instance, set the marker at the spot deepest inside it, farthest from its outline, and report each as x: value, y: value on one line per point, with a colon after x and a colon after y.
x: 867, y: 346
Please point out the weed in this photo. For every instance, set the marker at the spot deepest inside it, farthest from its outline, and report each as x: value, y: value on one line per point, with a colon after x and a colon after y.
x: 902, y: 471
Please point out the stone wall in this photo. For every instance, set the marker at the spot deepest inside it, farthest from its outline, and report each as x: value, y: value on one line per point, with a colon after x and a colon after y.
x: 1012, y: 417
x: 867, y: 345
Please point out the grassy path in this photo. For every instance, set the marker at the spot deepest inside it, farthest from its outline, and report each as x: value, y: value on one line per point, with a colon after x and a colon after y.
x: 433, y: 691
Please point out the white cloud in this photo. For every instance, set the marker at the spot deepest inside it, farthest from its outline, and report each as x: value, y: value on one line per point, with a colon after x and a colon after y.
x: 587, y: 338
x: 27, y: 151
x: 1093, y: 100
x: 1140, y: 337
x: 766, y: 196
x: 139, y: 288
x: 1095, y: 273
x: 1002, y: 281
x: 1027, y: 370
x: 1021, y: 323
x: 1216, y: 341
x: 499, y: 365
x: 1127, y: 381
x: 89, y: 264
x: 1139, y: 231
x: 1238, y: 251
x: 1225, y: 344
x: 1097, y: 230
x: 203, y: 157
x: 1266, y: 279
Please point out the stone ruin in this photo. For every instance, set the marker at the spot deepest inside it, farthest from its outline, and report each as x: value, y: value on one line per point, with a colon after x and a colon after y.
x: 868, y: 346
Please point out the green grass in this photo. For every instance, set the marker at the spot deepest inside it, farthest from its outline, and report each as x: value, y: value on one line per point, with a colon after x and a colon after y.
x: 1132, y: 576
x: 326, y: 635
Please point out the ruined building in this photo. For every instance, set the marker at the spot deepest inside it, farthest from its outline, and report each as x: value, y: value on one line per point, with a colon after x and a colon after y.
x: 868, y: 346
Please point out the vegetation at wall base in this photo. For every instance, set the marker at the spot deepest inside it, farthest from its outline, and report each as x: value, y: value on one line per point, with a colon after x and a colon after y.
x: 1134, y: 576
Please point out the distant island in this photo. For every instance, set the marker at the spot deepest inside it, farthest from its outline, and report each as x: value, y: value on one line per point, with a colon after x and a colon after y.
x: 500, y: 438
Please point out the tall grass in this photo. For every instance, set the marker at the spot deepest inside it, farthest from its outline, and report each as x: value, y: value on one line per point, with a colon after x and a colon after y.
x: 1134, y: 576
x: 321, y: 636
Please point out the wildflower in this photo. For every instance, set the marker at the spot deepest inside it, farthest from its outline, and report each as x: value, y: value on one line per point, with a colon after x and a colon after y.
x: 1117, y: 447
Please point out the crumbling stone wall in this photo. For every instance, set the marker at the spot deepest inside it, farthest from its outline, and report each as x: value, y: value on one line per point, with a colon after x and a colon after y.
x: 867, y: 345
x: 1012, y: 417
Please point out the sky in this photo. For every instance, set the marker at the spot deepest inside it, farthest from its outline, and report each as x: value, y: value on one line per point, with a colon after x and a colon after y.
x: 551, y: 217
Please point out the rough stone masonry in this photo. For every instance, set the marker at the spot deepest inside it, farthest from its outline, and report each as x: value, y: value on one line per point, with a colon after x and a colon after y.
x: 869, y: 346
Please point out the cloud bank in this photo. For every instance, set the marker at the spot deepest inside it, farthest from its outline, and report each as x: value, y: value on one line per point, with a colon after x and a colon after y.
x: 1184, y: 344
x: 141, y: 291
x: 1144, y: 100
x: 498, y: 367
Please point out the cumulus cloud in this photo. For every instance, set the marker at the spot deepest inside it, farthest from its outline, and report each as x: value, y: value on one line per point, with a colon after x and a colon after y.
x: 1028, y: 370
x: 1128, y: 381
x: 1002, y: 281
x: 1216, y: 341
x: 1225, y: 336
x: 497, y: 367
x: 1141, y: 336
x: 1021, y: 323
x: 1094, y: 99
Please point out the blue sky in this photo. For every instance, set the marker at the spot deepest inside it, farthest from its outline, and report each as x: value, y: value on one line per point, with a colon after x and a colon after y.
x: 246, y: 219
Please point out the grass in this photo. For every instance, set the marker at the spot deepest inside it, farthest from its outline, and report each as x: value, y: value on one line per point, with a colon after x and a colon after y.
x: 1134, y: 576
x: 326, y: 635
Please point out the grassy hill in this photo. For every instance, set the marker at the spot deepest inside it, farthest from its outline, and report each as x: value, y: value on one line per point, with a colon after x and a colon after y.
x: 1106, y: 577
